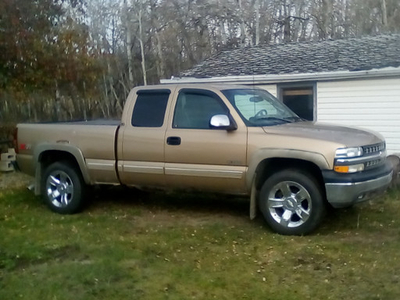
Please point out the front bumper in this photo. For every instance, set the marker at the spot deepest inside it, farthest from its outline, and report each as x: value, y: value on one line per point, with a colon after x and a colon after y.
x: 343, y: 190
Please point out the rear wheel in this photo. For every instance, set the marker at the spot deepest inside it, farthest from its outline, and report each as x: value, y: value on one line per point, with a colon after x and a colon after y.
x: 63, y: 188
x: 292, y: 202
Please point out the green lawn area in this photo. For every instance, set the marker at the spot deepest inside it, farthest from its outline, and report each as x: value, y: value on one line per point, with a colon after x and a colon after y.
x: 135, y: 245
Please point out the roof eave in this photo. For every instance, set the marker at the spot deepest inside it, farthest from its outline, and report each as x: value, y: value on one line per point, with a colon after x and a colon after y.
x: 281, y: 78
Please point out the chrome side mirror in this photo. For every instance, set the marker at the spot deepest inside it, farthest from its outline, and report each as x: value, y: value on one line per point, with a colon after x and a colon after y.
x: 222, y: 122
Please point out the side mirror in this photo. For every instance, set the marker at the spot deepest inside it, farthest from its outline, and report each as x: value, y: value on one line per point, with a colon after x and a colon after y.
x: 222, y: 122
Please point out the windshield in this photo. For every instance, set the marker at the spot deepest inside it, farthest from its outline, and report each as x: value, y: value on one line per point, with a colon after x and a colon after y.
x: 259, y: 108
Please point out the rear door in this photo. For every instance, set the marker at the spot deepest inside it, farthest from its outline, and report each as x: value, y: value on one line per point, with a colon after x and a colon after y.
x: 201, y: 157
x: 141, y: 141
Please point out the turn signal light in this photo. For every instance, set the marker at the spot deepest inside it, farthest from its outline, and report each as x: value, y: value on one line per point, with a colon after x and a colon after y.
x: 342, y: 169
x: 349, y: 168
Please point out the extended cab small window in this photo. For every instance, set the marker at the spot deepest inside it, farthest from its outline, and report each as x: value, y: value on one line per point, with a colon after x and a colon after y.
x: 194, y: 109
x: 149, y: 110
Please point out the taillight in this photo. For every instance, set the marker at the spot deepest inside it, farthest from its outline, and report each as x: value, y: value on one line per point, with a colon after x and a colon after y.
x: 15, y: 140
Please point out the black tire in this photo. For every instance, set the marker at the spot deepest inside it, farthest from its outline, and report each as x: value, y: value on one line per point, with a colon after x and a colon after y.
x: 292, y: 202
x: 63, y: 188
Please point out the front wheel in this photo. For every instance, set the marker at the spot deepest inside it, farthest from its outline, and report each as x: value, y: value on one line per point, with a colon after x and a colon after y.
x: 292, y: 202
x: 63, y: 188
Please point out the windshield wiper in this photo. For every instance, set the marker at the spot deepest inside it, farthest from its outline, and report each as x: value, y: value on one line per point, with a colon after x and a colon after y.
x: 273, y: 119
x: 295, y: 119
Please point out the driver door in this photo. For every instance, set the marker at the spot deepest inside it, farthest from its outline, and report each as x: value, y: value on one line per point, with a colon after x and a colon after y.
x: 199, y: 156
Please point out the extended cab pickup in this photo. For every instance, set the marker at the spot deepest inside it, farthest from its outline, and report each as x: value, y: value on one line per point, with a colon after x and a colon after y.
x: 220, y: 138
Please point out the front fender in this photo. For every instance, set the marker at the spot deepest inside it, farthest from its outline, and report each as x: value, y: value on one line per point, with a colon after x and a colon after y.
x: 269, y: 153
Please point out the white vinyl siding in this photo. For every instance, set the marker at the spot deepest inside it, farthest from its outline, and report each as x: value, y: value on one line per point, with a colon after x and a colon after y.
x: 372, y: 104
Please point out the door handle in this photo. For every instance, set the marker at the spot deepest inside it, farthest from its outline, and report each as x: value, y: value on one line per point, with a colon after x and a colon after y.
x: 173, y: 140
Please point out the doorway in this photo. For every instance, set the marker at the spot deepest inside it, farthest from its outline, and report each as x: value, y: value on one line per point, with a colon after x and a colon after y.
x: 300, y: 99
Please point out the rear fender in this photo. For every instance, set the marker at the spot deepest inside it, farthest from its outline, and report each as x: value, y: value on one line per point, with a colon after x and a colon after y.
x: 62, y: 148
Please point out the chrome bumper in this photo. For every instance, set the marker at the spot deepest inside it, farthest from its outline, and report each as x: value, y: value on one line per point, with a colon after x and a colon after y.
x: 344, y: 194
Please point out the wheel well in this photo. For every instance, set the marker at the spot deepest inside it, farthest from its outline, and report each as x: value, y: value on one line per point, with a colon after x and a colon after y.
x: 272, y: 165
x: 48, y: 157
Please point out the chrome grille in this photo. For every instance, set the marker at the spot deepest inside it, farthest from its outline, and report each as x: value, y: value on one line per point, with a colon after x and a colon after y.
x: 373, y: 163
x: 373, y: 149
x: 374, y: 155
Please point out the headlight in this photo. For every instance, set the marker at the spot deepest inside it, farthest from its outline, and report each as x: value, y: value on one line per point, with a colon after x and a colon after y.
x: 344, y: 162
x: 349, y: 152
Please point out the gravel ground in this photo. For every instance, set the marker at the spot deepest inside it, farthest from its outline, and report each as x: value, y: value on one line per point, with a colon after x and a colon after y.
x: 14, y: 180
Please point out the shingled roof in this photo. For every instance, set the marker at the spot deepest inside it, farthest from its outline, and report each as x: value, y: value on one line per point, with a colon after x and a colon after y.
x: 354, y: 54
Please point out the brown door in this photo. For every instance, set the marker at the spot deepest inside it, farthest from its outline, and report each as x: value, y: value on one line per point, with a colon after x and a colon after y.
x: 141, y: 140
x: 199, y: 156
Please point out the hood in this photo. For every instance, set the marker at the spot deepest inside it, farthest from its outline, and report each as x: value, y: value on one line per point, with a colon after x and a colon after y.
x: 348, y: 136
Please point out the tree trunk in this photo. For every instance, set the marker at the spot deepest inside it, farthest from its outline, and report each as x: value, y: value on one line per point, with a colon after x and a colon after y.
x: 56, y: 112
x: 384, y: 15
x: 142, y: 47
x: 242, y: 26
x: 129, y: 44
x: 160, y: 60
x: 257, y: 7
x: 286, y: 23
x: 222, y: 32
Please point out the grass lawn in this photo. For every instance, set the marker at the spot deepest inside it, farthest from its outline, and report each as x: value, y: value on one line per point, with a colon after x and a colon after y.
x: 133, y: 245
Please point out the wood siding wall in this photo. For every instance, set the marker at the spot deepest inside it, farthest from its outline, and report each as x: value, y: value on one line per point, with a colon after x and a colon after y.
x: 372, y: 104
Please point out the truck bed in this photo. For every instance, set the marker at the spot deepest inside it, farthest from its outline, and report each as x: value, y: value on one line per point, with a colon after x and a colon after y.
x: 95, y: 140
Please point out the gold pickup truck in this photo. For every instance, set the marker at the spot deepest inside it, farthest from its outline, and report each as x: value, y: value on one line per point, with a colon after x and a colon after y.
x: 220, y: 138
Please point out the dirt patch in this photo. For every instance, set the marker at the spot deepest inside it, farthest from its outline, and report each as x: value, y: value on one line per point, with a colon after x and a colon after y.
x: 68, y: 252
x: 14, y: 180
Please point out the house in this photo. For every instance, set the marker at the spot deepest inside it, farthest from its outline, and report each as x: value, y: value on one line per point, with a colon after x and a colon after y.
x: 352, y: 81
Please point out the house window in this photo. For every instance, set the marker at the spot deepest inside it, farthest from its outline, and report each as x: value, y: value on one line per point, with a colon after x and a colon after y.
x: 300, y: 99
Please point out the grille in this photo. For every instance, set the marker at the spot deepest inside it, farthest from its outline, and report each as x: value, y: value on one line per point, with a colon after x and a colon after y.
x: 372, y: 149
x: 373, y: 163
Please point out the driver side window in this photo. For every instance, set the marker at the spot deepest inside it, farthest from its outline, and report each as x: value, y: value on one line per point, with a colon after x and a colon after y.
x: 195, y: 109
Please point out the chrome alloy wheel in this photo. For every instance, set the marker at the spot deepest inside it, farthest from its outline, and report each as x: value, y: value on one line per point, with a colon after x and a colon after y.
x: 289, y: 204
x: 59, y: 188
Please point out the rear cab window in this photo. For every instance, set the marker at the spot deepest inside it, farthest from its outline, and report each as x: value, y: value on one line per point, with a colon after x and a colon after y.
x: 150, y: 107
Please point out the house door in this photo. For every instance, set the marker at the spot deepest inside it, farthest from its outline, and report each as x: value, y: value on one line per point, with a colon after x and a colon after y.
x: 299, y: 99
